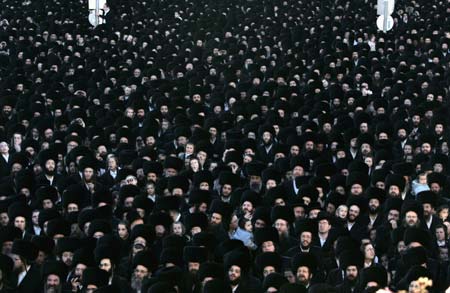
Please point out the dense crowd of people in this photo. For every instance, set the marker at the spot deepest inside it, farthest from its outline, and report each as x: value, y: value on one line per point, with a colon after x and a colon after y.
x: 224, y: 146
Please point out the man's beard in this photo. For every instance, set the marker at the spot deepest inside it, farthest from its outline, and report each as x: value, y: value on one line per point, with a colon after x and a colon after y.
x: 393, y: 194
x: 267, y: 143
x: 19, y: 269
x: 351, y: 282
x: 374, y: 210
x: 50, y: 172
x: 255, y: 186
x: 193, y: 273
x: 235, y: 281
x: 136, y: 283
x: 302, y: 280
x: 307, y: 246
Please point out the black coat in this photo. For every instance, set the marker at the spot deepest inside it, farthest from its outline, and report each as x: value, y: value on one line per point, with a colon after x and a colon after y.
x: 31, y: 283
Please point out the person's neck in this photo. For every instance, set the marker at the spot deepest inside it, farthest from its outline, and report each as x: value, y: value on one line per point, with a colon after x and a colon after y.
x: 323, y: 234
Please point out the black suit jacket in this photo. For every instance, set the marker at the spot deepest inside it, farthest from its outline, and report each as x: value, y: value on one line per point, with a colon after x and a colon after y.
x: 5, y: 167
x: 31, y: 283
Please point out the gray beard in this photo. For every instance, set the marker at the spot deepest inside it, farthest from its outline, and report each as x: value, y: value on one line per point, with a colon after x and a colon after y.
x: 136, y: 283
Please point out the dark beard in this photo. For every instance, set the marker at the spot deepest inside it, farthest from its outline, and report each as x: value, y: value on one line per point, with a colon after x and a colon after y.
x: 52, y: 289
x: 256, y: 187
x: 235, y: 282
x: 50, y: 173
x: 374, y: 211
x: 352, y: 283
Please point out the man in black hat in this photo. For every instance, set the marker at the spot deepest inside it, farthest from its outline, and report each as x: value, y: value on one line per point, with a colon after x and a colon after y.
x: 429, y: 200
x: 193, y: 256
x: 219, y: 218
x: 356, y: 206
x: 326, y: 234
x: 267, y: 145
x: 228, y: 182
x: 237, y: 266
x: 304, y: 267
x: 27, y: 274
x: 306, y: 231
x: 94, y: 279
x: 53, y: 273
x: 373, y: 217
x: 48, y: 160
x: 395, y: 185
x: 351, y: 263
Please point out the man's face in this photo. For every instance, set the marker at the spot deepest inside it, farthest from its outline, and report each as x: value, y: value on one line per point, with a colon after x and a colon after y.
x: 298, y: 171
x: 53, y: 281
x: 438, y: 129
x: 306, y: 239
x: 401, y: 133
x: 393, y: 215
x: 67, y: 257
x: 20, y: 223
x: 281, y: 226
x: 234, y: 275
x: 193, y: 267
x: 88, y: 174
x: 299, y: 212
x: 426, y: 148
x: 19, y: 266
x: 226, y: 190
x: 411, y: 218
x: 105, y: 264
x: 303, y: 275
x: 351, y: 273
x: 365, y: 149
x: 295, y: 150
x: 79, y: 269
x: 7, y: 110
x: 47, y: 204
x: 309, y: 146
x: 141, y: 272
x: 247, y: 207
x: 394, y: 191
x: 427, y: 210
x: 374, y: 205
x: 4, y: 148
x: 268, y: 270
x: 216, y: 219
x: 324, y: 226
x: 268, y: 246
x: 353, y: 213
x: 356, y: 189
x: 266, y: 137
